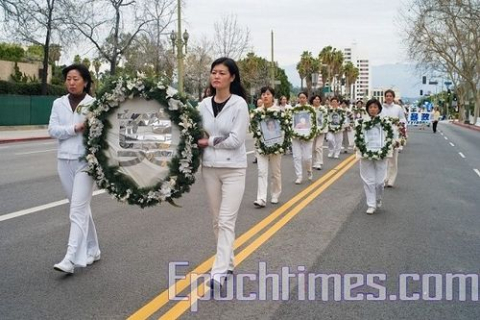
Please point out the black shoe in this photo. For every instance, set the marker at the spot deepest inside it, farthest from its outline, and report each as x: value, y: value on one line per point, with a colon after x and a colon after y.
x: 255, y: 160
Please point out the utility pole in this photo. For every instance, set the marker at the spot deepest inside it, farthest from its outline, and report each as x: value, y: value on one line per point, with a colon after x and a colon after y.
x: 272, y: 67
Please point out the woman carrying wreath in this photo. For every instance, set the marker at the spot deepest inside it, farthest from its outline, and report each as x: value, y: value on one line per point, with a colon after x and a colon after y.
x: 264, y: 160
x: 335, y: 129
x: 224, y: 160
x: 302, y: 146
x: 373, y: 147
x: 67, y: 123
x: 317, y: 151
x: 348, y: 134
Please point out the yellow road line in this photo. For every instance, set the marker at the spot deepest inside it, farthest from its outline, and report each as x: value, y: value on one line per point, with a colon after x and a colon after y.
x: 182, y: 306
x: 162, y: 299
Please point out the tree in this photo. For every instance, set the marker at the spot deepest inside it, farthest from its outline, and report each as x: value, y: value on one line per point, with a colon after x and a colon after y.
x: 351, y: 74
x: 11, y: 52
x: 442, y: 35
x: 307, y: 66
x: 197, y: 68
x: 35, y: 22
x: 104, y: 23
x: 230, y: 39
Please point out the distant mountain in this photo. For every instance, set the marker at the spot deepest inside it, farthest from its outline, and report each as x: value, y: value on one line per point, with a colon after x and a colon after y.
x: 400, y: 76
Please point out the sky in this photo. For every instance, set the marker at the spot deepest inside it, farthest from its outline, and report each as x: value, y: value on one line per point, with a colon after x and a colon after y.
x: 301, y: 25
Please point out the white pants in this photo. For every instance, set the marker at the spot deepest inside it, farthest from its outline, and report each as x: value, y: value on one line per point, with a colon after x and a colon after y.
x: 78, y: 186
x: 302, y: 154
x: 318, y: 150
x: 225, y: 187
x: 348, y: 139
x: 392, y: 169
x: 334, y: 143
x: 373, y: 174
x: 275, y: 161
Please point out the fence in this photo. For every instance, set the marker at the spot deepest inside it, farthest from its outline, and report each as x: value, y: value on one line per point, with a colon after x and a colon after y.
x: 16, y: 110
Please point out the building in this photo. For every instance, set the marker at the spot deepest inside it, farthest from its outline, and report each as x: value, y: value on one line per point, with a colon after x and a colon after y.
x: 32, y: 70
x: 362, y: 88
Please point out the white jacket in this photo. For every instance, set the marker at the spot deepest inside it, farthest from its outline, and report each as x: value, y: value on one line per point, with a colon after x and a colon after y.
x: 61, y: 126
x: 230, y: 125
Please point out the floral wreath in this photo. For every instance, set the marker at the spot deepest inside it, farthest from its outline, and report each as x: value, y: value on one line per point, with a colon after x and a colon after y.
x: 324, y: 111
x: 257, y: 116
x: 360, y: 139
x: 182, y: 166
x: 313, y: 121
x: 402, y: 132
x: 336, y: 128
x: 358, y: 110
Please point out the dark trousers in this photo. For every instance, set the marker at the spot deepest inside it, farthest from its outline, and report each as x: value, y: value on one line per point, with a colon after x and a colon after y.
x: 435, y: 123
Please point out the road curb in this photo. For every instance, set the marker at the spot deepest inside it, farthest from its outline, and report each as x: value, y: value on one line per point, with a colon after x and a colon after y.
x: 3, y: 141
x: 469, y: 126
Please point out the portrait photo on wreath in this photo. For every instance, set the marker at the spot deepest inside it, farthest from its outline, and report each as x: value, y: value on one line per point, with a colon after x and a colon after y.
x: 301, y: 120
x: 335, y: 119
x: 374, y: 138
x: 271, y: 132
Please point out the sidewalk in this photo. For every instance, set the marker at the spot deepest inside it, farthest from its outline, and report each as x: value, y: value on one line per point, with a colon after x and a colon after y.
x: 470, y: 126
x: 23, y: 133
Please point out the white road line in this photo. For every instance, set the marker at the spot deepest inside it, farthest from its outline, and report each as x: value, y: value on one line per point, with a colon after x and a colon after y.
x: 477, y: 171
x: 452, y: 144
x: 20, y: 213
x: 33, y: 152
x: 445, y: 138
x: 461, y: 155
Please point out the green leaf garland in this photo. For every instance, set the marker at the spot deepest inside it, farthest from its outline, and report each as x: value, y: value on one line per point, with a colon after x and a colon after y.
x: 313, y: 121
x: 260, y: 114
x: 364, y: 125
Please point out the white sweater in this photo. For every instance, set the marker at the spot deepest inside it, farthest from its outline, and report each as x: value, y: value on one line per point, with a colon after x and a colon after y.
x: 230, y: 126
x: 62, y: 127
x: 393, y: 110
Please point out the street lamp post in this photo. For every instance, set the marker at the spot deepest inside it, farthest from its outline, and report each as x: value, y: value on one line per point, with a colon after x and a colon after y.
x: 179, y: 41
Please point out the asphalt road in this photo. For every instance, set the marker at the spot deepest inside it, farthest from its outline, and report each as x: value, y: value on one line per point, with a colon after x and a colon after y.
x: 429, y: 225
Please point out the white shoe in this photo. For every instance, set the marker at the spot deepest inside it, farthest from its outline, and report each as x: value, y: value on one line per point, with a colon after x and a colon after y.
x: 65, y: 265
x: 370, y: 210
x: 92, y: 259
x: 336, y: 156
x: 274, y: 200
x: 379, y: 203
x: 310, y: 175
x: 298, y: 181
x: 259, y: 203
x: 330, y: 155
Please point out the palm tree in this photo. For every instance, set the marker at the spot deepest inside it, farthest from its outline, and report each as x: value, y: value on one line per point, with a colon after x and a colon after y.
x: 307, y: 66
x: 337, y: 66
x: 325, y: 58
x: 351, y: 74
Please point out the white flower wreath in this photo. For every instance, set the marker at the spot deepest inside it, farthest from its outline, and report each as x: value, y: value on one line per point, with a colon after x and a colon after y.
x: 182, y: 166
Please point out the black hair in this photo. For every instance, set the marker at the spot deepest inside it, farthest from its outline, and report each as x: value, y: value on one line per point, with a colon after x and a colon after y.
x: 334, y: 98
x: 374, y: 101
x: 314, y: 97
x: 389, y: 91
x: 302, y: 92
x: 236, y: 85
x: 84, y: 73
x: 267, y: 88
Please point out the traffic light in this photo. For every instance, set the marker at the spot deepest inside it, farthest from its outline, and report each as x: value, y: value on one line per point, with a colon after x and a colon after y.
x: 424, y: 80
x: 421, y: 92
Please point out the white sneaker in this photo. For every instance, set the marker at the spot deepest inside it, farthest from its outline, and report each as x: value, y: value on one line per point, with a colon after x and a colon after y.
x: 330, y: 155
x: 298, y: 181
x: 92, y: 259
x: 336, y: 156
x: 370, y: 210
x: 310, y: 175
x: 379, y: 203
x: 65, y: 265
x: 259, y: 203
x: 274, y: 200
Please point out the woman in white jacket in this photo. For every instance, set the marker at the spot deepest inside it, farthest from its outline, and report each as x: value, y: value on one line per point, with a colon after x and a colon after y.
x: 266, y: 160
x: 322, y: 128
x: 224, y: 161
x: 67, y: 123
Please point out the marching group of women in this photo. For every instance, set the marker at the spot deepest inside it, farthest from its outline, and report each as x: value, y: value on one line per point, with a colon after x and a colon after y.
x: 226, y: 119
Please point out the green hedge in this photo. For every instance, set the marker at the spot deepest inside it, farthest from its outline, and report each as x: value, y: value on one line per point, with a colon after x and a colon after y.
x: 30, y: 89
